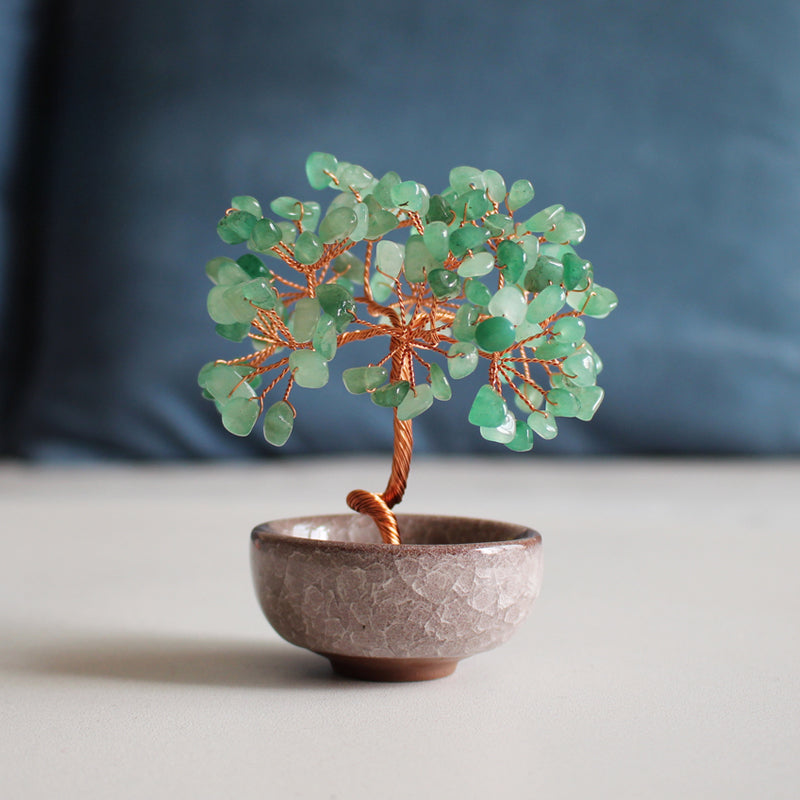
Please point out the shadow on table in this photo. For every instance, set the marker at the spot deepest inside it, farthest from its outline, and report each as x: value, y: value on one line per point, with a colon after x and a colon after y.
x: 170, y: 660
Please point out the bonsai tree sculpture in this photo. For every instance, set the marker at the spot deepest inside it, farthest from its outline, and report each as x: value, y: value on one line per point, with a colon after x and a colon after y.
x: 473, y: 280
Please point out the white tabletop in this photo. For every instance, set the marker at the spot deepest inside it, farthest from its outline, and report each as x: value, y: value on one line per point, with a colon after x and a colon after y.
x: 661, y: 661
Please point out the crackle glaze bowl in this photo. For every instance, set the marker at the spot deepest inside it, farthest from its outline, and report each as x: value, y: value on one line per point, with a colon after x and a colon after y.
x: 455, y: 587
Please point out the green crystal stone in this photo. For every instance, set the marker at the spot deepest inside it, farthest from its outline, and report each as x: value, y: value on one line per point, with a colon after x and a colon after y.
x: 543, y: 424
x: 205, y: 371
x: 577, y: 272
x: 389, y: 258
x: 476, y: 266
x: 288, y: 232
x: 354, y: 176
x: 311, y: 214
x: 520, y: 194
x: 362, y: 222
x: 240, y: 307
x: 359, y: 380
x: 229, y: 274
x: 462, y: 179
x: 337, y: 225
x: 476, y: 292
x: 548, y: 302
x: 418, y: 260
x: 494, y: 334
x: 218, y: 307
x: 392, y: 395
x: 225, y: 384
x: 253, y: 266
x: 440, y: 386
x: 569, y: 329
x: 383, y: 189
x: 437, y: 239
x: 259, y: 292
x: 235, y: 227
x: 416, y: 401
x: 338, y: 303
x: 235, y: 332
x: 580, y: 368
x: 380, y: 221
x: 381, y: 287
x: 463, y: 327
x: 488, y: 409
x: 562, y: 403
x: 287, y: 207
x: 523, y: 438
x: 473, y: 204
x: 410, y: 196
x: 511, y: 257
x: 601, y: 302
x: 213, y: 267
x: 509, y: 302
x: 495, y: 185
x: 278, y: 423
x: 470, y: 237
x: 462, y: 360
x: 499, y: 224
x: 240, y: 415
x: 545, y: 219
x: 349, y: 266
x: 304, y: 319
x: 568, y: 228
x: 530, y: 244
x: 317, y: 165
x: 308, y: 248
x: 443, y: 283
x: 590, y: 398
x: 530, y: 333
x: 309, y: 368
x: 549, y: 350
x: 325, y: 339
x: 546, y: 271
x: 439, y: 210
x: 244, y: 202
x: 503, y: 433
x: 535, y: 397
x: 585, y: 346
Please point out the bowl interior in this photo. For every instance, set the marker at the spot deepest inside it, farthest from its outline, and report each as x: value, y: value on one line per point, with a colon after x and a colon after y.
x: 414, y: 529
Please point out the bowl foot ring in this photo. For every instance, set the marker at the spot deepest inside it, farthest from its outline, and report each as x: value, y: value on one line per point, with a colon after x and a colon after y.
x: 394, y: 670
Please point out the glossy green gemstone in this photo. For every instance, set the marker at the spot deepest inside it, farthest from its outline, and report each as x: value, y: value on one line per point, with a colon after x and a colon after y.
x: 546, y: 271
x: 543, y: 424
x: 535, y: 397
x: 569, y: 329
x: 337, y: 225
x: 472, y: 204
x: 462, y: 179
x: 231, y: 274
x: 530, y: 244
x: 601, y: 302
x: 311, y: 215
x: 213, y: 267
x: 349, y: 266
x: 530, y: 333
x: 440, y: 386
x: 389, y: 258
x: 381, y: 287
x: 549, y: 350
x: 253, y: 266
x: 259, y: 292
x: 354, y: 176
x: 358, y: 380
x: 476, y: 266
x: 225, y: 384
x: 463, y: 327
x: 218, y: 308
x: 288, y: 232
x: 580, y: 368
x: 361, y: 210
x: 439, y: 210
x: 235, y: 227
x: 317, y: 165
x: 545, y: 219
x: 304, y: 319
x: 520, y: 194
x: 392, y: 395
x: 418, y: 260
x: 499, y: 224
x: 495, y: 185
x: 244, y: 202
x: 410, y: 196
x: 235, y: 332
x: 338, y: 303
x: 509, y: 302
x: 568, y: 228
x: 416, y: 401
x: 477, y: 293
x: 383, y: 189
x: 308, y: 248
x: 470, y: 237
x: 590, y: 398
x: 437, y: 240
x: 287, y: 207
x: 511, y: 257
x: 488, y: 409
x: 562, y: 403
x: 205, y: 371
x: 503, y: 433
x: 443, y: 283
x: 598, y: 362
x: 309, y: 368
x: 325, y: 339
x: 380, y: 220
x: 462, y: 360
x: 523, y: 438
x: 240, y: 415
x: 548, y: 302
x: 577, y: 272
x: 278, y: 423
x: 494, y: 334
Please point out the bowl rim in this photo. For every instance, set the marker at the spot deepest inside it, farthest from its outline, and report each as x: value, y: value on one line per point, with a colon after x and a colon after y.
x: 526, y: 537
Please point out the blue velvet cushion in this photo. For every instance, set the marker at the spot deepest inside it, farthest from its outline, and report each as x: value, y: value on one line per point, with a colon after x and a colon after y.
x: 674, y: 129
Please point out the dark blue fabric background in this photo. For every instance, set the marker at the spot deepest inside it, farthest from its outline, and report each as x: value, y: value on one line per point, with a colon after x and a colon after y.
x: 672, y: 127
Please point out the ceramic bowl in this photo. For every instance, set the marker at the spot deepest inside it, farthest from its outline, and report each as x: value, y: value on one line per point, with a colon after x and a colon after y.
x: 455, y: 587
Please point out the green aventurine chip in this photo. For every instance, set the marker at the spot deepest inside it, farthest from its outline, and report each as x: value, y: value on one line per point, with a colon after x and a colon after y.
x: 240, y: 415
x: 488, y: 409
x: 278, y: 423
x: 358, y: 380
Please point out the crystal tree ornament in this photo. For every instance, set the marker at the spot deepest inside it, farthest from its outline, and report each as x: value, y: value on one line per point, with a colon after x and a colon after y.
x: 474, y: 279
